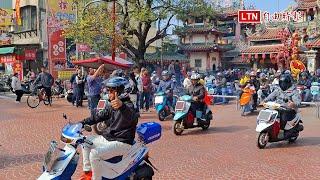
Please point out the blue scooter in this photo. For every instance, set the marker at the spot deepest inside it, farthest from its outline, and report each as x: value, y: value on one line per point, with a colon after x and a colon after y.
x: 161, y: 106
x: 61, y: 163
x: 184, y: 118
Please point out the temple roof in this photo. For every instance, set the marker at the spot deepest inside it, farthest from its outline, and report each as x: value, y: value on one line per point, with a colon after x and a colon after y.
x: 198, y: 29
x: 264, y: 49
x: 306, y: 4
x: 165, y: 56
x: 201, y: 47
x: 267, y: 34
x: 313, y: 43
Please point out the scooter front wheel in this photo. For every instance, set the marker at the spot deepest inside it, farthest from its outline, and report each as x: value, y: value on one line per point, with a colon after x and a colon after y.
x: 162, y: 115
x: 293, y: 139
x: 263, y: 139
x: 177, y: 128
x: 206, y: 126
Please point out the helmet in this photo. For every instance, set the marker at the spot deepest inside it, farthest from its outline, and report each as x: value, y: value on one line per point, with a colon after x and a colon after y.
x: 117, y: 83
x: 219, y: 74
x: 195, y: 76
x: 263, y: 76
x: 252, y: 73
x: 287, y: 72
x: 304, y: 74
x: 165, y: 73
x: 285, y: 81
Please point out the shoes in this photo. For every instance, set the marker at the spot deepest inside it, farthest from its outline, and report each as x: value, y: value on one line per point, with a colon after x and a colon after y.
x: 86, y: 176
x: 17, y: 102
x: 195, y: 122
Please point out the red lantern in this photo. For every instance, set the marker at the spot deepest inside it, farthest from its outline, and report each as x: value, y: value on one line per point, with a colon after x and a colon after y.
x: 242, y: 56
x: 249, y: 56
x: 256, y: 56
x: 263, y: 56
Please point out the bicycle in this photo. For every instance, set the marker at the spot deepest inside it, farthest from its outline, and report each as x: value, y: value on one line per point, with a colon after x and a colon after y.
x: 35, y: 98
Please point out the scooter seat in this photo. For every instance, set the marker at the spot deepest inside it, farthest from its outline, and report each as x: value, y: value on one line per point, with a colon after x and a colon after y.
x: 114, y: 160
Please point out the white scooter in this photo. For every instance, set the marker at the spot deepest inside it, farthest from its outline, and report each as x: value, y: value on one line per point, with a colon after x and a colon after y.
x: 62, y: 163
x: 269, y: 126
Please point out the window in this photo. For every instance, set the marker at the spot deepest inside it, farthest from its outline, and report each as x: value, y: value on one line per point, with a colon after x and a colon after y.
x: 198, y: 63
x: 199, y: 20
x: 29, y: 18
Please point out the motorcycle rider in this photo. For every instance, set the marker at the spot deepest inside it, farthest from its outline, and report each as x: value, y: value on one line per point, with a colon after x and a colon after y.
x: 197, y: 91
x: 264, y: 86
x: 256, y: 84
x: 120, y: 117
x: 166, y: 85
x: 306, y: 82
x: 288, y: 96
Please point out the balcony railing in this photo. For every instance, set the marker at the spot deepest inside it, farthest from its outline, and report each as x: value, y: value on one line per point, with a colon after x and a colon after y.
x: 26, y: 34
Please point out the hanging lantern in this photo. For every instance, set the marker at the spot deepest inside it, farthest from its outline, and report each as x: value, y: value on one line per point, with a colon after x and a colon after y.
x: 263, y: 56
x: 256, y: 56
x: 242, y: 56
x: 249, y: 56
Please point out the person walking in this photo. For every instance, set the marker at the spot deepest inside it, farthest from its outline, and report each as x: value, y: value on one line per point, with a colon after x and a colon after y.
x: 136, y: 71
x: 79, y: 88
x: 94, y: 82
x: 16, y: 86
x: 146, y: 82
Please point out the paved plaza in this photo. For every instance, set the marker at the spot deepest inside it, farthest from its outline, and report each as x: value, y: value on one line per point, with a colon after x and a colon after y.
x: 226, y: 151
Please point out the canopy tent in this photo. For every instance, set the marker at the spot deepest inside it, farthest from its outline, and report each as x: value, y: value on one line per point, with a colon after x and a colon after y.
x: 96, y: 62
x: 120, y: 60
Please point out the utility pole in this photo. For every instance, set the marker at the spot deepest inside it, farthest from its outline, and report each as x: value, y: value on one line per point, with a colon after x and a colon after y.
x: 114, y: 30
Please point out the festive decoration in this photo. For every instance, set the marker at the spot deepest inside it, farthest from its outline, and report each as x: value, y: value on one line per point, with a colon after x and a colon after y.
x: 296, y: 65
x: 263, y: 56
x: 256, y: 56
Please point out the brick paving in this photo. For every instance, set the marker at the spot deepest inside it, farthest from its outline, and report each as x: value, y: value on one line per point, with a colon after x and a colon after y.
x: 226, y: 151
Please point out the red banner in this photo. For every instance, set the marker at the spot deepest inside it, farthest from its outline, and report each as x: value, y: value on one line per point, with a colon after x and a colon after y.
x: 7, y: 59
x: 57, y: 46
x: 30, y: 54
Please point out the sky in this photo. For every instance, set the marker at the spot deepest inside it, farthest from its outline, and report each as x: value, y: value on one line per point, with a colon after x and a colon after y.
x: 270, y: 5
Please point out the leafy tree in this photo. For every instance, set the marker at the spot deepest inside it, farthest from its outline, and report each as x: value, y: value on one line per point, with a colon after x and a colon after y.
x: 135, y: 20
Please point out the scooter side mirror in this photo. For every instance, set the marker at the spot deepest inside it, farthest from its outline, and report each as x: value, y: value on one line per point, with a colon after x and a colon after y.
x: 87, y: 128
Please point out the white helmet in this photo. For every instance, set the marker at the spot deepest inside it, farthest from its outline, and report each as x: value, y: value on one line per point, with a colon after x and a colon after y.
x: 195, y: 76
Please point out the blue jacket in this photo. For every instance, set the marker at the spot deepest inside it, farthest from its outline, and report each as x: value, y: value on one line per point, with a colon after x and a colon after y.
x: 166, y: 85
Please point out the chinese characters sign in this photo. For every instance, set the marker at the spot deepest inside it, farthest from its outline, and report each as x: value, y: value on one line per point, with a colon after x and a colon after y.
x: 30, y: 54
x: 60, y: 12
x: 6, y: 59
x: 256, y: 16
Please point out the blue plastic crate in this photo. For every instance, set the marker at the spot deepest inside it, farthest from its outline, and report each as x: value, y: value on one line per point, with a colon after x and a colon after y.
x: 149, y: 132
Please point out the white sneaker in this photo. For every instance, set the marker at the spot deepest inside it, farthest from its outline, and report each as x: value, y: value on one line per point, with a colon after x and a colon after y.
x: 195, y: 122
x: 17, y: 102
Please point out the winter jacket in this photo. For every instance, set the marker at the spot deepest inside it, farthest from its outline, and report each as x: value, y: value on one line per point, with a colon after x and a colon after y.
x: 121, y: 123
x: 146, y: 82
x: 166, y: 85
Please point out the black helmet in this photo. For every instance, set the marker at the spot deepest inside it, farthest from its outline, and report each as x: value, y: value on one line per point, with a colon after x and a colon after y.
x: 285, y: 82
x: 117, y: 83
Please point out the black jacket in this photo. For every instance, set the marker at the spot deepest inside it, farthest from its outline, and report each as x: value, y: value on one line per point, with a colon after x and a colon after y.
x: 121, y: 123
x: 198, y: 90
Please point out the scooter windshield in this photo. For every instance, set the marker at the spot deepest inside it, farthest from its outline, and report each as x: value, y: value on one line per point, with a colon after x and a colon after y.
x: 72, y: 130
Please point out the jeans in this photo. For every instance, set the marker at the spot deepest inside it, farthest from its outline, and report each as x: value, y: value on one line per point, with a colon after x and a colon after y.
x: 145, y: 98
x: 19, y: 94
x: 93, y: 102
x: 307, y: 95
x: 102, y: 149
x: 78, y: 95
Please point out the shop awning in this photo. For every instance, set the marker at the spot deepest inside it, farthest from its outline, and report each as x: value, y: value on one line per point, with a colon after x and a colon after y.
x: 6, y: 50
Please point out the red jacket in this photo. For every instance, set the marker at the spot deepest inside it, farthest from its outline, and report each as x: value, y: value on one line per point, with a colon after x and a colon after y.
x: 146, y: 81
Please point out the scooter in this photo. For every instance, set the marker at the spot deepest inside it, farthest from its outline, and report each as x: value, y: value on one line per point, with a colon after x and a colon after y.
x: 315, y: 91
x: 61, y: 163
x: 184, y: 118
x: 163, y: 110
x: 58, y: 89
x: 246, y: 100
x: 268, y: 125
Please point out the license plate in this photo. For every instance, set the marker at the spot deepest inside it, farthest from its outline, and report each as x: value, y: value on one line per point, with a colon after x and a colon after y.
x: 101, y: 104
x: 180, y: 105
x: 50, y: 156
x: 158, y: 99
x: 266, y: 116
